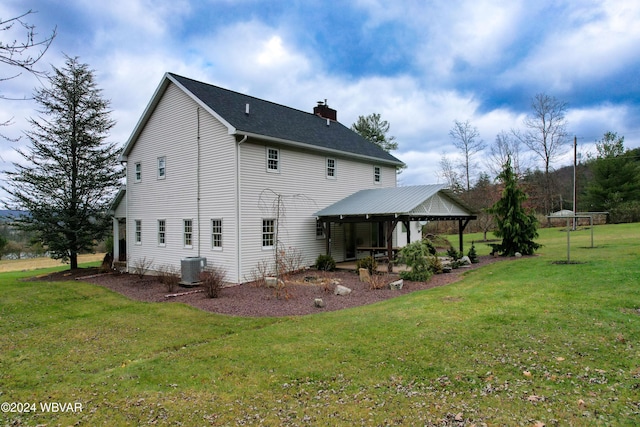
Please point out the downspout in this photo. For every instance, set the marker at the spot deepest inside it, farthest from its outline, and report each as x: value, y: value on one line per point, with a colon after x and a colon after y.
x: 198, y: 177
x: 239, y: 212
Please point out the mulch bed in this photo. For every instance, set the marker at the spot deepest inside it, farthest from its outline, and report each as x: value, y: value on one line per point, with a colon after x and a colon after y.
x: 248, y: 300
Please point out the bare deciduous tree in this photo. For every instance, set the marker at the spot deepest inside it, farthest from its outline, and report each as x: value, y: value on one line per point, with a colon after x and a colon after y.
x: 505, y: 147
x: 23, y: 54
x: 466, y: 138
x: 449, y: 174
x: 26, y: 53
x: 545, y: 134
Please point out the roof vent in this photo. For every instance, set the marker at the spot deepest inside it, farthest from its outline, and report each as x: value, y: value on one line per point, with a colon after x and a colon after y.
x: 246, y: 109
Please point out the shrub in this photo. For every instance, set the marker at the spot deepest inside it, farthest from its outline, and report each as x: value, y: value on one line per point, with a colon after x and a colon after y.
x: 435, y: 265
x: 141, y: 266
x: 369, y: 263
x: 472, y: 254
x: 414, y: 255
x: 453, y: 253
x: 169, y: 277
x: 325, y: 263
x: 213, y: 279
x: 289, y: 261
x: 378, y: 281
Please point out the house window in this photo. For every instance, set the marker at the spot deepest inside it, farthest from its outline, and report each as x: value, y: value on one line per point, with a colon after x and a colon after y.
x: 162, y: 230
x: 138, y: 172
x: 138, y: 232
x: 331, y: 168
x: 216, y: 233
x: 162, y: 170
x: 376, y: 174
x: 273, y: 160
x: 319, y: 230
x: 268, y: 233
x: 188, y: 233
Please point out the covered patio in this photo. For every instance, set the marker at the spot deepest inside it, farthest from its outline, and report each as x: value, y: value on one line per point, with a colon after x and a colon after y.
x: 393, y: 206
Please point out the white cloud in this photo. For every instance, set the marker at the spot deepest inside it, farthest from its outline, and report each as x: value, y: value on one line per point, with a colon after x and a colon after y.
x: 599, y: 40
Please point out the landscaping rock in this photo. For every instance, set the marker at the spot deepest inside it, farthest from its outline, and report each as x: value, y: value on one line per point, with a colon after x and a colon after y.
x: 465, y: 260
x: 397, y: 285
x: 319, y: 303
x: 518, y: 255
x: 364, y: 275
x: 270, y: 282
x: 342, y: 290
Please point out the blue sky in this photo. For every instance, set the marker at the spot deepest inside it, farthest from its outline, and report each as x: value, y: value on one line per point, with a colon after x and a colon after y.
x: 420, y: 64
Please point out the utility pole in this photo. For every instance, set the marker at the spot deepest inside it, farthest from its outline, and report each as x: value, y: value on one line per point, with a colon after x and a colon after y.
x: 575, y: 191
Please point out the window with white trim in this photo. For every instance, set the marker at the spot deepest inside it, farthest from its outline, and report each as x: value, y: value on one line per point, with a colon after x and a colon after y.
x: 138, y: 231
x: 138, y: 171
x: 331, y: 168
x: 216, y: 234
x: 268, y: 233
x: 162, y: 169
x: 320, y: 230
x: 162, y: 232
x: 377, y: 176
x: 187, y: 233
x: 273, y: 160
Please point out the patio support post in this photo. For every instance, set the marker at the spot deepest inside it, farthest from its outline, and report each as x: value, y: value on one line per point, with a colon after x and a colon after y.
x: 461, y: 227
x: 115, y: 250
x: 391, y: 225
x: 407, y: 224
x: 327, y: 225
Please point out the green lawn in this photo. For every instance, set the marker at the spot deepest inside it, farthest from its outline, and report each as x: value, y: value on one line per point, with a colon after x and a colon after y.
x: 517, y: 342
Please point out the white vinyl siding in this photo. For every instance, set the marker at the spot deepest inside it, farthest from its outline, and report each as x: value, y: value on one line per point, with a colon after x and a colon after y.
x: 171, y: 132
x: 305, y: 190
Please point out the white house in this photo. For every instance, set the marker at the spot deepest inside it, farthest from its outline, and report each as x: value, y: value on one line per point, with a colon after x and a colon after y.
x: 216, y: 174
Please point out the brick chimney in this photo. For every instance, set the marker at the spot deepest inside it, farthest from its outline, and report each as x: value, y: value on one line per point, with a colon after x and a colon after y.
x: 323, y: 110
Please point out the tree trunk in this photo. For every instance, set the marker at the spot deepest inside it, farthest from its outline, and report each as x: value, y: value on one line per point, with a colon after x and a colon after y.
x: 73, y: 260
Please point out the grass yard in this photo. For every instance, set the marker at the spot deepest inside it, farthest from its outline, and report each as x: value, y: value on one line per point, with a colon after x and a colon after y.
x: 520, y: 342
x: 37, y: 263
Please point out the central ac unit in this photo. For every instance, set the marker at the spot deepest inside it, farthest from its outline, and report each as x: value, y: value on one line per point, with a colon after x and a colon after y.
x: 191, y: 267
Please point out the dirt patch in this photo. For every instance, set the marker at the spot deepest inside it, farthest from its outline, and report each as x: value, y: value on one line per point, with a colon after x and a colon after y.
x: 296, y: 299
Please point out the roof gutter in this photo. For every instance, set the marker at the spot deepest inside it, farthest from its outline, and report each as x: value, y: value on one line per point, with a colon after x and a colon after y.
x: 316, y: 148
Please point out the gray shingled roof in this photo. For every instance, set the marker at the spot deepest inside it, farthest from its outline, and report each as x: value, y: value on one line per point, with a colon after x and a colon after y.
x: 280, y: 122
x: 414, y: 201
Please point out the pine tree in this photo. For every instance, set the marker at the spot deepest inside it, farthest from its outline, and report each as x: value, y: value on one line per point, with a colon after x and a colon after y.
x: 71, y: 173
x: 515, y: 226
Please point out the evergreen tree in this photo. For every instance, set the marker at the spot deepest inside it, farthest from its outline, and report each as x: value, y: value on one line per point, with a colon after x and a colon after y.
x: 374, y: 129
x: 616, y: 175
x: 71, y: 173
x: 515, y: 226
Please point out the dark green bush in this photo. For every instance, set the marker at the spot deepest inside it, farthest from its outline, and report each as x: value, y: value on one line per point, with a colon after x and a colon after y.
x: 414, y: 255
x: 325, y: 263
x: 473, y: 255
x: 453, y: 253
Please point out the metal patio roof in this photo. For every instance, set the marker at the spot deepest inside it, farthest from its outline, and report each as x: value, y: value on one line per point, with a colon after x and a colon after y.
x: 419, y: 201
